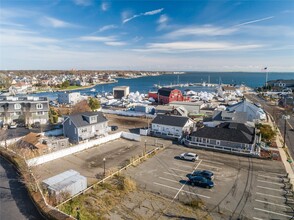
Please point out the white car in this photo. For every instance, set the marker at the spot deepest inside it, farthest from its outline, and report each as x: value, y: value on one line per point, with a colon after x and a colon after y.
x: 189, y: 156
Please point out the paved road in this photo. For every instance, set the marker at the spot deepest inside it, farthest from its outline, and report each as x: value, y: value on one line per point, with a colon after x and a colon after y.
x: 15, y: 203
x: 277, y: 113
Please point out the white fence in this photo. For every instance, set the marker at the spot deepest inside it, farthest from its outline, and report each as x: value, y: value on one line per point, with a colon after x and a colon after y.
x: 131, y: 136
x: 68, y: 151
x: 128, y: 113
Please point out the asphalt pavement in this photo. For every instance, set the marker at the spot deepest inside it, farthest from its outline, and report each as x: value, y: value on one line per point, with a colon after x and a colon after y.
x: 15, y: 203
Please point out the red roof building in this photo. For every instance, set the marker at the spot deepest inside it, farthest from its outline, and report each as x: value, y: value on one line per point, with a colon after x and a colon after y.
x: 167, y: 95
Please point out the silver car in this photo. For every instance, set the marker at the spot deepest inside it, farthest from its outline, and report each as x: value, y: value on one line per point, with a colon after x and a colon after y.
x: 189, y: 156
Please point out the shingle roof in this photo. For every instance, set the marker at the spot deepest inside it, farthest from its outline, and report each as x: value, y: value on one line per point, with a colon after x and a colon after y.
x: 233, y: 132
x: 80, y: 121
x: 165, y: 91
x: 170, y: 120
x: 240, y: 117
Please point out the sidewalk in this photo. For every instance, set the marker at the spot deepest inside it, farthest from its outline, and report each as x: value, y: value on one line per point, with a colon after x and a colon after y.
x: 285, y: 156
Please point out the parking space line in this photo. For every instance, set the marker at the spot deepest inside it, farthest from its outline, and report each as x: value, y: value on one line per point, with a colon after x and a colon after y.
x: 185, y: 171
x: 277, y: 197
x: 271, y: 203
x: 271, y: 173
x: 205, y: 165
x: 257, y: 218
x: 170, y: 187
x: 209, y: 161
x: 168, y: 179
x: 173, y: 174
x: 180, y: 165
x: 271, y: 212
x: 186, y: 181
x: 268, y: 177
x: 263, y: 181
x: 280, y: 190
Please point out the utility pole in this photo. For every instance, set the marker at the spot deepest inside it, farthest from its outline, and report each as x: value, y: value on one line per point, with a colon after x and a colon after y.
x: 285, y: 117
x: 145, y: 148
x: 104, y: 161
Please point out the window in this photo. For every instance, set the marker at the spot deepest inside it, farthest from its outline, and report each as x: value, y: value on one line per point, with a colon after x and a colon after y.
x: 217, y: 142
x: 39, y: 106
x: 40, y: 113
x: 17, y: 106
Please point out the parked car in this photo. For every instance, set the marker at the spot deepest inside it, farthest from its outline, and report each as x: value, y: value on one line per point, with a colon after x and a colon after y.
x: 201, y: 181
x: 204, y: 173
x: 114, y: 128
x: 12, y: 125
x: 189, y: 156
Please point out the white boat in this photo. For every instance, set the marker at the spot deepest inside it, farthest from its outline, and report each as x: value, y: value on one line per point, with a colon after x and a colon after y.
x: 93, y: 90
x: 109, y: 97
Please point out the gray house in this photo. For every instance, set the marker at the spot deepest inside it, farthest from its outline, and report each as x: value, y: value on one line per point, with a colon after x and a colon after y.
x: 24, y: 109
x: 228, y: 137
x: 84, y: 126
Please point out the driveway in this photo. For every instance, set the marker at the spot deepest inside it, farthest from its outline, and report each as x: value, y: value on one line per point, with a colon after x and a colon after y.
x: 15, y: 201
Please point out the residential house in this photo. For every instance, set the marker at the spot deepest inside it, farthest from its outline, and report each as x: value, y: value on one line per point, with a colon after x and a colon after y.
x: 24, y: 109
x: 69, y: 98
x: 229, y: 92
x: 83, y: 126
x: 228, y: 137
x: 35, y: 144
x: 21, y: 88
x: 171, y: 126
x: 182, y: 111
x: 219, y: 117
x: 254, y: 113
x: 191, y: 107
x: 282, y: 83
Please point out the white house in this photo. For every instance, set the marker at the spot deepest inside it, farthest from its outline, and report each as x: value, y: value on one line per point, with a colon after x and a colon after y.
x: 69, y: 98
x: 171, y: 126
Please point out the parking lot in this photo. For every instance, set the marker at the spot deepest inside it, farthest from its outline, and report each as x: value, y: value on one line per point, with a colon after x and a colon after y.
x: 245, y: 188
x: 90, y: 162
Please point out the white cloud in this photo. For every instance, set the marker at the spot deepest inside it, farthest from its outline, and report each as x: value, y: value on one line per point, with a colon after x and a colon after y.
x: 254, y: 21
x: 162, y: 21
x: 189, y: 46
x: 148, y: 13
x: 54, y: 22
x: 115, y: 43
x: 108, y: 40
x: 23, y: 38
x: 83, y: 2
x: 104, y: 6
x: 205, y: 30
x: 107, y: 27
x: 97, y: 38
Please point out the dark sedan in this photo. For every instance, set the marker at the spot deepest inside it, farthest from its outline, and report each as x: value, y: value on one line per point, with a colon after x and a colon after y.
x: 204, y: 173
x: 200, y: 181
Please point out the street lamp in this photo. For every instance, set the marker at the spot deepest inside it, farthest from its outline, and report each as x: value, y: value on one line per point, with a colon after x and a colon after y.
x: 285, y: 117
x: 104, y: 160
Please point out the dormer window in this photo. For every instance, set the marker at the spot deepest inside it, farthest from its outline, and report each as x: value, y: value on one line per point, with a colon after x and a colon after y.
x: 39, y: 106
x: 17, y: 106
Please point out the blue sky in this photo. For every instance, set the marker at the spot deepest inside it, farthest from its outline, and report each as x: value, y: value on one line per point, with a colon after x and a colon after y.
x: 177, y: 35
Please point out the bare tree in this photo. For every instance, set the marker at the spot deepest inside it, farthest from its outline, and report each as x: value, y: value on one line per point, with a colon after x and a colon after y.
x: 81, y: 106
